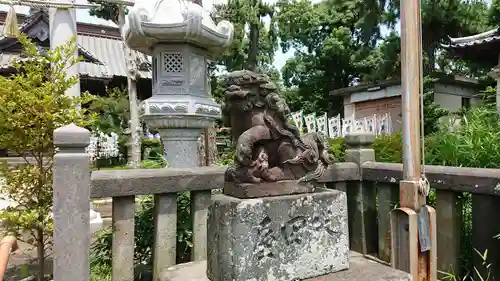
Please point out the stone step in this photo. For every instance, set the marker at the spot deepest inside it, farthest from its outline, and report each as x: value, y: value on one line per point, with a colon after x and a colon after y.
x: 360, y: 269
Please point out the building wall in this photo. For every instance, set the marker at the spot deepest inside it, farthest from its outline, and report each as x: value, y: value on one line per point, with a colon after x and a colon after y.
x: 349, y: 107
x: 388, y: 100
x: 453, y: 97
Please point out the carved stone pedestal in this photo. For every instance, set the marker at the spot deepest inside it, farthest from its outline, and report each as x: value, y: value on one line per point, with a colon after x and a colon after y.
x: 278, y: 238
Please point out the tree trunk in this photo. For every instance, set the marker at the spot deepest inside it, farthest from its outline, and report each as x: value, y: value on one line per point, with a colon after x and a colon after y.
x: 254, y: 47
x: 40, y: 251
x: 130, y: 62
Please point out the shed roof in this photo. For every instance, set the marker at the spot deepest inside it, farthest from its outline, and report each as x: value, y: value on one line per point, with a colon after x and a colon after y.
x: 442, y: 78
x: 101, y: 46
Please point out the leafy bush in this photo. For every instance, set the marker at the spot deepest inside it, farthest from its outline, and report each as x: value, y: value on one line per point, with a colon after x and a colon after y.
x: 150, y: 143
x: 112, y: 110
x: 337, y: 148
x: 33, y: 105
x: 389, y: 148
x: 100, y: 252
x: 432, y: 111
x: 152, y: 149
x: 226, y: 158
x: 475, y: 143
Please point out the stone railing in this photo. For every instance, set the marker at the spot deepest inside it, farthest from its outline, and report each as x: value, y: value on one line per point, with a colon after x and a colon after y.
x: 372, y: 191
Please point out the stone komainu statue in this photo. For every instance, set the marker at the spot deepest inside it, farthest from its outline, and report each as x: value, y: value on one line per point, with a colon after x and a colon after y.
x: 268, y: 148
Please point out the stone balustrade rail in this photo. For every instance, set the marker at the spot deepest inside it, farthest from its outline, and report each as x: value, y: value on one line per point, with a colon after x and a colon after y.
x: 372, y: 190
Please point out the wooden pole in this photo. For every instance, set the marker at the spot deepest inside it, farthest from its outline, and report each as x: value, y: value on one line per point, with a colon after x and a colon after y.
x: 407, y: 224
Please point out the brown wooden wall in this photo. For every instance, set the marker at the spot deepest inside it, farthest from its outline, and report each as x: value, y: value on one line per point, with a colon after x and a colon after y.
x: 380, y: 107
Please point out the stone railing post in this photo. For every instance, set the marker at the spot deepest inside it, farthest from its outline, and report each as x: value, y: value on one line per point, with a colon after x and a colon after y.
x: 361, y: 196
x: 71, y: 210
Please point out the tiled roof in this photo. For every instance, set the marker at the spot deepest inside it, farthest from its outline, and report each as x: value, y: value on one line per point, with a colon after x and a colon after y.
x: 110, y: 53
x: 105, y: 52
x: 474, y: 40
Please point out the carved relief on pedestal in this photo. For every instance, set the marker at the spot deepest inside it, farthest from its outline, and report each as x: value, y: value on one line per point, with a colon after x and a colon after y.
x: 208, y: 109
x: 168, y: 107
x: 293, y: 231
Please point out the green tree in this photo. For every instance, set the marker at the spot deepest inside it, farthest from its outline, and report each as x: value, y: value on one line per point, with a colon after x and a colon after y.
x: 34, y: 104
x: 254, y: 42
x: 339, y: 43
x: 113, y: 111
x: 432, y: 111
x: 333, y: 40
x: 116, y: 13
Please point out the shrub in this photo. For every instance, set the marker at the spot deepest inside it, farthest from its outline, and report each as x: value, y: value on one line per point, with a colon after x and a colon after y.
x: 389, y: 148
x: 33, y: 105
x: 100, y: 252
x: 113, y: 111
x: 337, y: 148
x: 152, y: 149
x: 475, y: 143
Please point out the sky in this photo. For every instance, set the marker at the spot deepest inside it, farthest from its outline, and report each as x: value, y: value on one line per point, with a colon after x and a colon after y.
x: 82, y: 15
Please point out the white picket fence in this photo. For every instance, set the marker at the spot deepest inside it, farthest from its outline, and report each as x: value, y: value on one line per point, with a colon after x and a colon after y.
x: 339, y: 127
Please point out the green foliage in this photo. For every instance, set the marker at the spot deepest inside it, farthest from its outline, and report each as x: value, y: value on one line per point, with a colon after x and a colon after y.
x: 153, y: 163
x: 113, y: 111
x: 153, y: 153
x: 100, y: 252
x: 475, y: 143
x: 254, y: 43
x: 432, y: 111
x: 226, y: 158
x: 34, y: 104
x: 339, y: 43
x: 477, y: 274
x: 150, y: 143
x: 494, y: 13
x: 489, y: 95
x: 337, y: 148
x: 106, y: 10
x: 100, y: 273
x: 388, y: 148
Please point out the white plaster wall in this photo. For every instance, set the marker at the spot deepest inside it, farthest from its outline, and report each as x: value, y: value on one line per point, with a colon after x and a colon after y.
x: 450, y: 96
x: 451, y: 102
x: 349, y: 108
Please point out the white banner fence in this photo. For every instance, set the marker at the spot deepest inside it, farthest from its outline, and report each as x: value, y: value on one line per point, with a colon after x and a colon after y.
x: 336, y: 126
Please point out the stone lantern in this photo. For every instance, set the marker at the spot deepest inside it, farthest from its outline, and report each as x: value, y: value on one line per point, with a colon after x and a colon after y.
x: 181, y: 37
